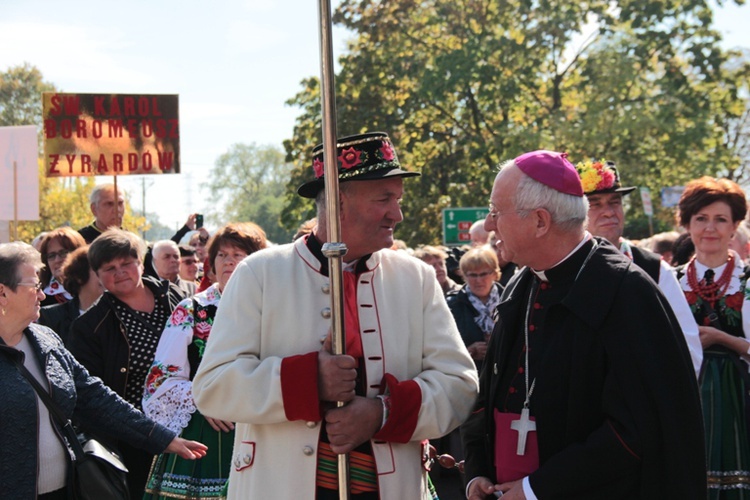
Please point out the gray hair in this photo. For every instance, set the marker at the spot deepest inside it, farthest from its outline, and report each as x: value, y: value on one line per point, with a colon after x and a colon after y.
x: 12, y: 257
x: 568, y: 212
x: 96, y: 193
x: 161, y: 245
x: 320, y: 201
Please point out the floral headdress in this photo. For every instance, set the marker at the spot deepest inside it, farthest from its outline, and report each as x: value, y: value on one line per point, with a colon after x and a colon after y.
x: 600, y: 177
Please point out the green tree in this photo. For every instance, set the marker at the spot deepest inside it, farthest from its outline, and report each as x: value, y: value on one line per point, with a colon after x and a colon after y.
x: 248, y: 182
x: 21, y: 90
x: 463, y: 85
x: 62, y: 201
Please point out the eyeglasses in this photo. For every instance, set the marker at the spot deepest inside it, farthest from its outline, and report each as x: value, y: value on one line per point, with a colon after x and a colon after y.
x: 54, y: 255
x: 37, y: 285
x: 479, y: 275
x: 493, y: 215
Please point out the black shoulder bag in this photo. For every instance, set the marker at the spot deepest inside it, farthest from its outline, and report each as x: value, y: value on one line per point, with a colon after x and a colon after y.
x: 98, y: 473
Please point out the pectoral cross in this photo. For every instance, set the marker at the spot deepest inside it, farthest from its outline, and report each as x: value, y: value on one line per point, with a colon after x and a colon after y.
x: 523, y: 425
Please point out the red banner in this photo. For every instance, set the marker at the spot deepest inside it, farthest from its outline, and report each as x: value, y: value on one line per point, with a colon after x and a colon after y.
x: 110, y: 134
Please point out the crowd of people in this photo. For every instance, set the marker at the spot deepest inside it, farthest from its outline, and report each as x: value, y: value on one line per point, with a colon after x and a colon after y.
x: 553, y: 357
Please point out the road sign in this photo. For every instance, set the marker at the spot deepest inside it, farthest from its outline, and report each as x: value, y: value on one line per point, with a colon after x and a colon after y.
x: 648, y: 207
x: 458, y: 221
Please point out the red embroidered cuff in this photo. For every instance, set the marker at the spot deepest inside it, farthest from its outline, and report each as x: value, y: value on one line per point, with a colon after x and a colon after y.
x: 405, y: 402
x: 299, y: 387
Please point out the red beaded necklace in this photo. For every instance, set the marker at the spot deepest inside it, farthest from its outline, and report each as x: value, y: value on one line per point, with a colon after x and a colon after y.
x: 713, y: 291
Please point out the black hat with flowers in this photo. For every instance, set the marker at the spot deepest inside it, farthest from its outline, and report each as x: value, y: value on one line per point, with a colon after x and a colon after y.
x: 599, y: 177
x: 360, y: 157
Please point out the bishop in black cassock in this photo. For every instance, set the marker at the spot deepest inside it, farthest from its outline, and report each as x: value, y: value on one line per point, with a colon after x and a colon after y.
x: 592, y: 347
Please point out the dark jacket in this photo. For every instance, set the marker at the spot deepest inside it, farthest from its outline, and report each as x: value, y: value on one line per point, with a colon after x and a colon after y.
x: 99, y: 339
x: 59, y: 317
x: 616, y: 400
x: 90, y: 232
x: 78, y: 394
x: 648, y: 261
x: 464, y: 313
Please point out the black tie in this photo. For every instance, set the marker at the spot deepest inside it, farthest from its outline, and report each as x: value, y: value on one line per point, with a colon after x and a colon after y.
x: 708, y: 277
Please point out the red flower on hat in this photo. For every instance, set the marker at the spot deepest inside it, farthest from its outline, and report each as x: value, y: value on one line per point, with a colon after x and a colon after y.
x: 387, y: 151
x: 318, y: 168
x: 349, y: 158
x: 608, y: 179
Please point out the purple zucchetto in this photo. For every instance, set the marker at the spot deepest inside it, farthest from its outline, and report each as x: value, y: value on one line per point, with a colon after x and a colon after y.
x: 551, y: 169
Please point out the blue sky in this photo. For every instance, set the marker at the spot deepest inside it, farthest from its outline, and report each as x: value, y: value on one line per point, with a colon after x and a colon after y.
x: 233, y: 63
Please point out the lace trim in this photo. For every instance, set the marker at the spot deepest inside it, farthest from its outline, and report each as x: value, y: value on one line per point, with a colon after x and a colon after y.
x: 174, y: 409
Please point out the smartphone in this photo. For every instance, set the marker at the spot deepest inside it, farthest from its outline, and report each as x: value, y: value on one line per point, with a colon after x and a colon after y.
x: 198, y: 221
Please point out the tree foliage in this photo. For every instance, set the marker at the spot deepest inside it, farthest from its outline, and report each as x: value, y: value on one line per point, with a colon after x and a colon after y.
x: 462, y: 85
x: 62, y: 201
x: 247, y: 184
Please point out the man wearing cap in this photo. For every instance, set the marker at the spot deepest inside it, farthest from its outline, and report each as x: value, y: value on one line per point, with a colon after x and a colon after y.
x: 602, y: 187
x: 406, y: 377
x: 588, y: 390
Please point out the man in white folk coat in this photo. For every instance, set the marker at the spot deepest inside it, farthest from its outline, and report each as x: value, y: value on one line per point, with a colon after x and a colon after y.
x: 406, y: 377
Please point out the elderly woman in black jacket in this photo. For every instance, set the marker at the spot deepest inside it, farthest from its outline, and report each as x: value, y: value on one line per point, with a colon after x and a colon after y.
x: 474, y: 304
x: 35, y: 461
x: 116, y: 338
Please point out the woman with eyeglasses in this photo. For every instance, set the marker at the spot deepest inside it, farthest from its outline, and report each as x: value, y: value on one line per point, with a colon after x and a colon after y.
x: 168, y: 397
x: 116, y: 338
x: 472, y: 306
x: 35, y: 459
x: 55, y: 247
x: 83, y: 284
x: 474, y: 303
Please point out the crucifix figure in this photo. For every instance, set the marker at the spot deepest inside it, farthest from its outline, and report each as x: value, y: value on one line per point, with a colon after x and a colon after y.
x: 523, y: 425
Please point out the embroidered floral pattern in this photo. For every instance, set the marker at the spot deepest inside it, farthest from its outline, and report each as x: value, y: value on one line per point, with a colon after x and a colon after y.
x: 157, y: 375
x: 595, y: 176
x: 167, y: 397
x: 201, y: 345
x: 728, y: 306
x: 350, y: 158
x: 203, y: 324
x: 180, y: 316
x: 318, y: 168
x: 386, y: 151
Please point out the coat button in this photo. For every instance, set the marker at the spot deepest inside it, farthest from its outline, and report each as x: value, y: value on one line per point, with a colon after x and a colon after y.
x: 311, y: 424
x: 123, y: 369
x: 247, y: 459
x: 326, y: 288
x: 326, y: 312
x: 494, y: 368
x: 237, y: 463
x: 308, y: 450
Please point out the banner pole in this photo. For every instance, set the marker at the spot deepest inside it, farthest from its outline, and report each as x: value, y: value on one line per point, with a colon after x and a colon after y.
x: 334, y: 249
x: 15, y: 200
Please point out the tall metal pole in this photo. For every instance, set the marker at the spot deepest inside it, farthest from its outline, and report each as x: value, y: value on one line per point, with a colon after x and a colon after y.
x: 334, y: 249
x: 15, y: 201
